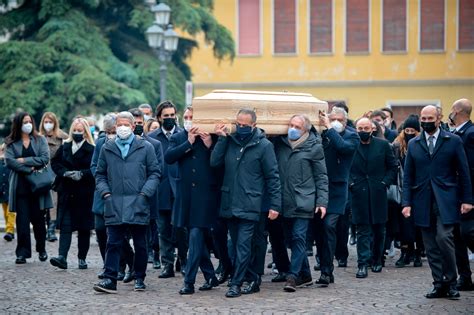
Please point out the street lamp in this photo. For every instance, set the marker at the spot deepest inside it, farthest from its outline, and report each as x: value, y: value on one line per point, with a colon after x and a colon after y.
x: 164, y: 43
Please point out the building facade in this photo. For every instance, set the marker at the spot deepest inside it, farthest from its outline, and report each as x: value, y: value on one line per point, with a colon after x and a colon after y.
x: 368, y: 53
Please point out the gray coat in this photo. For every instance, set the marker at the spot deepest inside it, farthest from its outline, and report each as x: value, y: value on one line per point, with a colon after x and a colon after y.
x: 40, y: 147
x: 131, y: 182
x: 303, y: 177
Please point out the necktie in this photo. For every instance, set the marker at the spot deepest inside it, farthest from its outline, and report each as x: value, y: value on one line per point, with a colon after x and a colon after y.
x: 168, y: 135
x: 431, y: 144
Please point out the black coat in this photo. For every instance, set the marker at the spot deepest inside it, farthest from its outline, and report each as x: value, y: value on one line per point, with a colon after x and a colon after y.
x: 75, y: 196
x: 155, y: 199
x: 196, y: 199
x: 467, y: 135
x: 370, y: 177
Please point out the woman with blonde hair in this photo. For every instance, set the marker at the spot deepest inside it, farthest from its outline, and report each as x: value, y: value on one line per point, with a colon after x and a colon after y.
x: 75, y: 186
x: 151, y: 124
x: 50, y: 129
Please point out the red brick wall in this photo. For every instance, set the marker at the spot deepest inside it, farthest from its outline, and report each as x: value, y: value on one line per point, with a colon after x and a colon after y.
x: 394, y: 25
x: 432, y: 24
x: 284, y: 29
x: 321, y: 26
x: 357, y: 25
x: 466, y: 25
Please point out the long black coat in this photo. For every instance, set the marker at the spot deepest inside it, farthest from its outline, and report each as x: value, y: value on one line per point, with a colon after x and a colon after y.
x: 196, y: 199
x: 369, y: 180
x: 75, y: 196
x: 467, y: 136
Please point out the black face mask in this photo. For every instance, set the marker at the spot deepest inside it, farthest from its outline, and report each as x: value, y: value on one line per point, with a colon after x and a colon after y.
x: 409, y: 136
x: 77, y: 137
x: 138, y: 130
x: 169, y: 123
x: 364, y: 135
x: 429, y: 127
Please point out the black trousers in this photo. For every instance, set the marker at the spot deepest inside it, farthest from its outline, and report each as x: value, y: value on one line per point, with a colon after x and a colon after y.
x: 259, y: 249
x: 101, y: 233
x: 342, y: 234
x: 328, y: 246
x: 166, y: 238
x: 277, y: 239
x: 219, y: 236
x: 198, y: 256
x: 83, y: 243
x: 464, y: 239
x: 241, y: 234
x: 370, y: 244
x: 28, y: 211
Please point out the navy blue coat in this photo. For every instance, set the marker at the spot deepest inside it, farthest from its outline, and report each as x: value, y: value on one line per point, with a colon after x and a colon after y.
x: 339, y: 151
x: 467, y: 135
x: 98, y: 204
x: 425, y: 176
x: 167, y: 190
x: 390, y: 134
x: 196, y: 199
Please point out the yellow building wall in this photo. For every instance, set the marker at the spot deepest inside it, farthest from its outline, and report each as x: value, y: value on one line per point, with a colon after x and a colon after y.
x: 364, y: 81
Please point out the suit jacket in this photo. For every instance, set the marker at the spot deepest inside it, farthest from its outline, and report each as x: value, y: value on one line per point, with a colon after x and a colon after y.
x: 339, y: 151
x: 426, y: 176
x: 467, y: 135
x: 369, y: 180
x: 167, y: 190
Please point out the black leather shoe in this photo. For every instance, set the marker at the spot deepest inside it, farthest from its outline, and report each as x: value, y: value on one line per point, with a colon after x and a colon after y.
x: 304, y: 281
x: 401, y: 262
x: 234, y: 291
x: 59, y: 262
x: 9, y: 237
x: 323, y: 281
x: 436, y: 293
x: 317, y: 267
x: 43, y: 256
x: 82, y: 264
x: 167, y: 272
x: 106, y: 286
x: 342, y: 263
x: 453, y: 293
x: 187, y: 289
x: 252, y: 287
x: 129, y: 277
x: 377, y: 268
x: 352, y: 240
x: 223, y: 276
x: 417, y: 261
x: 281, y: 277
x: 464, y: 284
x: 139, y: 285
x: 362, y: 272
x: 290, y: 285
x: 211, y: 283
x: 331, y: 278
x: 20, y: 260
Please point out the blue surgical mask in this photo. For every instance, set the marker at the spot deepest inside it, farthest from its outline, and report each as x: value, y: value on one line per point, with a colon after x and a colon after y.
x: 294, y: 134
x: 92, y: 129
x: 243, y: 131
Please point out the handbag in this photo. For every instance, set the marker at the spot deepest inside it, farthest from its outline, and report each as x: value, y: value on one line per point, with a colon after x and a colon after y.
x: 394, y: 192
x: 41, y: 180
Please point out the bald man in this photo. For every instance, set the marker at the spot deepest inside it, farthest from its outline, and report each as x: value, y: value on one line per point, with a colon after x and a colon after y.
x: 464, y: 235
x: 436, y: 190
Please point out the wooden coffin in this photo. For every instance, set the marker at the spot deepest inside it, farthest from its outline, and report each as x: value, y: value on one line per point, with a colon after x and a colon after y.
x: 273, y: 109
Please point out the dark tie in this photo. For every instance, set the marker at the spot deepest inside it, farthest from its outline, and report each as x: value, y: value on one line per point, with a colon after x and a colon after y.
x: 431, y: 144
x: 168, y: 135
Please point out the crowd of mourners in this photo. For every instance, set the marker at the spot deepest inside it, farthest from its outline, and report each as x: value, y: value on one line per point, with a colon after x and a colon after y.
x: 182, y: 194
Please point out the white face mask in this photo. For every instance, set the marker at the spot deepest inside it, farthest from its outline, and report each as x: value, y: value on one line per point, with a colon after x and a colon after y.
x: 27, y: 128
x: 123, y: 132
x: 48, y: 127
x: 188, y: 124
x: 337, y: 125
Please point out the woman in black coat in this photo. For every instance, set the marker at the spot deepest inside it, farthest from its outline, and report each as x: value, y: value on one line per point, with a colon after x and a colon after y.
x: 75, y: 186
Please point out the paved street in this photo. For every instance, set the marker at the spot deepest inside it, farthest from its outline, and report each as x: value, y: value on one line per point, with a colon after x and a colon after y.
x: 37, y: 287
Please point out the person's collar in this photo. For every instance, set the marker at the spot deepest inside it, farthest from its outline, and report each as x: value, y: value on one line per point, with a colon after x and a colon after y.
x: 435, y: 135
x: 166, y: 131
x: 458, y: 128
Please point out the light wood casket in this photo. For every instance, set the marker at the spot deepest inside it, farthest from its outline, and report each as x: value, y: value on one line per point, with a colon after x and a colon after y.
x: 273, y: 109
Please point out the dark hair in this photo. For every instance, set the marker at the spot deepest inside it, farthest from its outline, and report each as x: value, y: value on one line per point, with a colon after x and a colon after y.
x: 387, y: 109
x: 136, y: 112
x: 376, y: 113
x: 248, y: 111
x: 163, y: 105
x: 15, y: 133
x: 342, y: 105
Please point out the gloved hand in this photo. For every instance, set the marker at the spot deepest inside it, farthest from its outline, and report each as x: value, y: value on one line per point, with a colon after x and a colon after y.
x: 68, y: 174
x: 77, y: 175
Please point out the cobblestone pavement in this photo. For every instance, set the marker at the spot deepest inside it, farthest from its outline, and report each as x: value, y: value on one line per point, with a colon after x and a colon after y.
x: 38, y: 287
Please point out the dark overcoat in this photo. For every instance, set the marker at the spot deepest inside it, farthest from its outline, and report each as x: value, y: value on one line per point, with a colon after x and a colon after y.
x: 74, y: 196
x: 443, y: 175
x: 196, y: 199
x: 467, y: 135
x: 369, y: 179
x: 155, y: 199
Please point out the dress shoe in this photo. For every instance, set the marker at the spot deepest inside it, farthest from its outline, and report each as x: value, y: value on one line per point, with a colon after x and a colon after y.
x: 139, y: 285
x: 352, y: 240
x: 106, y: 286
x: 252, y: 287
x: 187, y: 289
x: 43, y: 256
x: 304, y: 281
x: 129, y: 277
x: 402, y: 261
x: 464, y: 284
x: 342, y: 263
x: 270, y: 265
x: 9, y: 237
x: 436, y: 293
x: 377, y: 268
x: 20, y: 260
x: 290, y: 285
x: 234, y: 291
x: 120, y: 275
x: 223, y: 276
x: 211, y: 283
x: 82, y: 264
x: 417, y: 261
x: 280, y: 277
x: 59, y: 262
x: 362, y: 272
x: 167, y: 272
x: 453, y: 293
x: 323, y: 281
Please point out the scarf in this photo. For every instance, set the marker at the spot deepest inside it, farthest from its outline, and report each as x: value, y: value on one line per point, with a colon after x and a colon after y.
x: 124, y: 145
x: 76, y: 146
x: 296, y: 143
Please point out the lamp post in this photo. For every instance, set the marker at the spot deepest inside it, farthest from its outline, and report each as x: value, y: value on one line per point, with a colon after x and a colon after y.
x: 163, y: 42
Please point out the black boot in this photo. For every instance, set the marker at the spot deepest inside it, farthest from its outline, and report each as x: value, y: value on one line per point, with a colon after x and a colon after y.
x: 417, y: 259
x: 401, y: 262
x: 51, y: 237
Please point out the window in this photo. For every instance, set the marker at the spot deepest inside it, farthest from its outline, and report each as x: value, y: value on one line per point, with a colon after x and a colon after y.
x: 394, y: 25
x: 465, y: 25
x: 284, y: 26
x: 320, y: 19
x: 432, y: 25
x: 249, y: 27
x: 357, y: 26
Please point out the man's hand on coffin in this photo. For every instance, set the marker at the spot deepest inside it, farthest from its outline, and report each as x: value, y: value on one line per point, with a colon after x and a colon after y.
x: 192, y: 134
x: 221, y: 130
x: 206, y: 138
